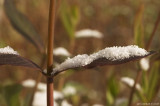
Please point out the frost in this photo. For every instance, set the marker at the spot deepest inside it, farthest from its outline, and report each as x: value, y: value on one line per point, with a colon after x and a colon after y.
x: 61, y: 51
x: 110, y: 53
x: 144, y: 63
x: 8, y: 50
x: 88, y: 33
x: 130, y: 82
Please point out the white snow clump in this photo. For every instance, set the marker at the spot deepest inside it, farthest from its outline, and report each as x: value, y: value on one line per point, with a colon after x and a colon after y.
x: 40, y: 95
x: 144, y: 63
x: 61, y: 51
x: 130, y: 82
x: 111, y: 53
x: 69, y: 90
x: 8, y: 50
x: 88, y: 33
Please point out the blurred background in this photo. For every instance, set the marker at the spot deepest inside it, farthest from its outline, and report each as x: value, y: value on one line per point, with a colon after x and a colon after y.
x: 23, y: 26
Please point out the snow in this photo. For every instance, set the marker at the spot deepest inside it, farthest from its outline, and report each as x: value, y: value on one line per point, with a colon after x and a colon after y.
x: 30, y: 83
x: 88, y: 33
x: 130, y: 82
x: 8, y: 50
x: 111, y: 53
x: 40, y: 94
x: 144, y: 63
x: 69, y: 90
x: 65, y: 103
x: 61, y: 51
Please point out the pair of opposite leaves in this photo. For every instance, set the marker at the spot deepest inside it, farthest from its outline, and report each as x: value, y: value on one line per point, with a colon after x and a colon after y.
x: 107, y: 56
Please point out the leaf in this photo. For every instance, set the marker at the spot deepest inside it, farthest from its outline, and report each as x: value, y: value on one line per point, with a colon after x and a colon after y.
x: 107, y: 56
x: 22, y: 24
x: 138, y: 27
x: 70, y: 17
x: 104, y: 61
x: 16, y: 60
x: 112, y: 90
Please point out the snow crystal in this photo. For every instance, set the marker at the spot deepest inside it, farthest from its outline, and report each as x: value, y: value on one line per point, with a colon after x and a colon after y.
x: 111, y: 53
x: 144, y: 63
x: 88, y: 33
x: 8, y: 50
x: 130, y: 82
x: 61, y: 51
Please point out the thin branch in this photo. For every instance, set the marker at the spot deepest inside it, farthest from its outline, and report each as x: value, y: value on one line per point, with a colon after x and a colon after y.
x: 147, y: 48
x: 51, y: 24
x: 153, y: 32
x: 134, y: 87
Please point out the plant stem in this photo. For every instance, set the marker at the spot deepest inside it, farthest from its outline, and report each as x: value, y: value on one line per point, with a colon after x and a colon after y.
x: 134, y: 87
x: 153, y: 32
x: 51, y: 24
x: 147, y: 48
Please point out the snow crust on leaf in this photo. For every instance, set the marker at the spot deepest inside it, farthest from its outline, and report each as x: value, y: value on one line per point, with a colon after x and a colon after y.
x: 8, y: 50
x: 88, y: 33
x: 110, y: 53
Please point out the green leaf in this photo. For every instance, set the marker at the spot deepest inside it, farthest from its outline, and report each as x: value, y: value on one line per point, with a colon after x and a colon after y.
x: 112, y: 90
x: 21, y: 23
x: 70, y: 17
x: 138, y: 27
x: 153, y: 80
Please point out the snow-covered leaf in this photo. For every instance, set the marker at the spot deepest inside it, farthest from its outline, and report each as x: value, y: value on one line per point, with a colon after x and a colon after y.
x: 10, y: 57
x: 108, y: 56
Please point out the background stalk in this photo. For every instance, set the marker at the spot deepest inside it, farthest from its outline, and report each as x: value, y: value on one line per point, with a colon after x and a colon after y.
x: 138, y: 77
x: 51, y: 24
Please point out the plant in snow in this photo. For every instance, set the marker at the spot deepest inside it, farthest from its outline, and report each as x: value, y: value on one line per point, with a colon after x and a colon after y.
x: 130, y: 82
x: 144, y: 63
x: 61, y: 51
x: 88, y: 33
x: 107, y: 56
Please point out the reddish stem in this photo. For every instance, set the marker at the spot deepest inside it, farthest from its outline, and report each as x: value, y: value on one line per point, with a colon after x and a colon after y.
x: 51, y: 24
x: 153, y: 32
x: 134, y: 87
